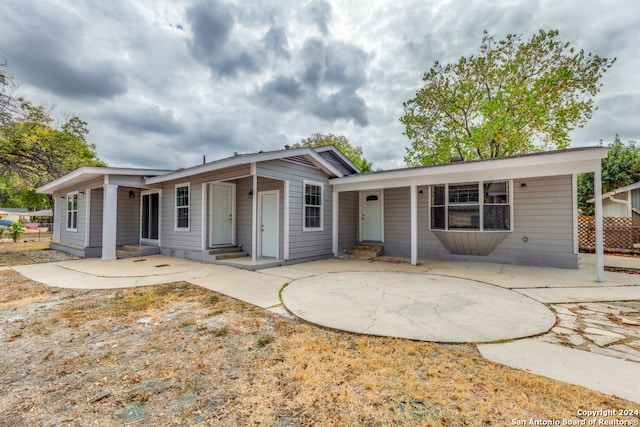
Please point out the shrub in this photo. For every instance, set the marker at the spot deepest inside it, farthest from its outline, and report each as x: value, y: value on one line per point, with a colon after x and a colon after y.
x: 15, y: 230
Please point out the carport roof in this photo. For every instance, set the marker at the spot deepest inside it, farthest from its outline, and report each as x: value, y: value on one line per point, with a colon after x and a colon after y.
x: 547, y: 163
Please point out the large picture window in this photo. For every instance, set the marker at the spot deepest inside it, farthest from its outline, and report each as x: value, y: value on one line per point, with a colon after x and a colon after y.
x: 313, y: 211
x: 72, y: 212
x: 182, y: 207
x: 472, y: 206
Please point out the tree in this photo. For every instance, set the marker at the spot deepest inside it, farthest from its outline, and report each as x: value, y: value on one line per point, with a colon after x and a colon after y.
x: 353, y: 153
x: 34, y: 152
x: 620, y: 168
x: 516, y: 97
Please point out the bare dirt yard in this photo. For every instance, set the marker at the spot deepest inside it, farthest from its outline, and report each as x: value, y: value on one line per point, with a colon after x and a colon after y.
x: 177, y: 354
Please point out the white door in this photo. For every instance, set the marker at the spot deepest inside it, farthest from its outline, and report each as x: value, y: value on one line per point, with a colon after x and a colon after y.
x: 371, y: 216
x: 268, y: 223
x: 222, y: 218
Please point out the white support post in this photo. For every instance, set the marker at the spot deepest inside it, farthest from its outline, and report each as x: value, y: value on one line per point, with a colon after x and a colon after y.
x: 414, y: 225
x: 335, y: 221
x: 285, y: 235
x: 87, y: 217
x: 597, y: 194
x: 574, y: 192
x: 203, y: 215
x: 109, y: 221
x: 254, y: 219
x: 57, y: 217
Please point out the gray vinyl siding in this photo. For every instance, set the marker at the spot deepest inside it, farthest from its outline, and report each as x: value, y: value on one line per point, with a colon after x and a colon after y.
x: 543, y: 213
x: 303, y: 244
x: 397, y: 221
x: 348, y: 226
x: 244, y: 211
x: 188, y: 243
x: 95, y: 228
x: 128, y: 225
x: 190, y: 238
x: 73, y: 237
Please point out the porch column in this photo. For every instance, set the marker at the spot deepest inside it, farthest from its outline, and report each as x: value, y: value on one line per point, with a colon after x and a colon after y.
x: 335, y: 221
x: 57, y: 217
x: 414, y: 225
x: 286, y: 221
x: 87, y: 216
x: 254, y: 216
x: 597, y: 194
x: 109, y: 221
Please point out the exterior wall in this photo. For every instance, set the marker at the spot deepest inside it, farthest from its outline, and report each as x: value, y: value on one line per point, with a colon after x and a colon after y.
x: 635, y: 202
x: 128, y: 225
x: 543, y: 213
x: 397, y: 221
x: 611, y: 208
x: 303, y: 244
x: 348, y: 226
x: 188, y: 243
x: 75, y: 238
x: 95, y: 228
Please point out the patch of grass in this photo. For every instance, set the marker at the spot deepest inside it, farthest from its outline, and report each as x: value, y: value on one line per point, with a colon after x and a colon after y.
x: 280, y: 292
x: 265, y: 341
x: 217, y: 332
x: 212, y: 299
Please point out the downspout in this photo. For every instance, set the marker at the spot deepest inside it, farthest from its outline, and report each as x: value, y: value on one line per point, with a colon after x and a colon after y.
x: 627, y: 203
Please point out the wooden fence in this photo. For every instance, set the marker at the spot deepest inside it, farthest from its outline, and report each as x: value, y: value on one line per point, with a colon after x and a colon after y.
x: 619, y: 233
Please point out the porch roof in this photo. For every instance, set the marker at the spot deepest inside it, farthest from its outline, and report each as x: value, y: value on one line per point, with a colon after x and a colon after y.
x: 90, y: 173
x: 549, y: 163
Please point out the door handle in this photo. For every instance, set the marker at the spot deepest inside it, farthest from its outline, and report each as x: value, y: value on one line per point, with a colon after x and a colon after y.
x: 363, y: 217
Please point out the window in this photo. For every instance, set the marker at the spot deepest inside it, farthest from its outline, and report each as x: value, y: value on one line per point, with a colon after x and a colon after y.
x: 72, y: 212
x: 312, y: 206
x: 182, y: 206
x: 474, y: 206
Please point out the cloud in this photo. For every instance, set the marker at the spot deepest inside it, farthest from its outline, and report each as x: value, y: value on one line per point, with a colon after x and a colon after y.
x: 280, y: 93
x: 146, y: 119
x: 345, y: 105
x: 46, y: 47
x: 319, y: 11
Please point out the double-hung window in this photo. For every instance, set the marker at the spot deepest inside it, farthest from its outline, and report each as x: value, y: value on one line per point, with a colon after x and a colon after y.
x: 471, y: 206
x: 313, y: 206
x: 182, y: 207
x: 72, y: 212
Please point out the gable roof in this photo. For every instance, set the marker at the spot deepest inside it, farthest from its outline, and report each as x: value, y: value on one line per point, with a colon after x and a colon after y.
x: 313, y: 155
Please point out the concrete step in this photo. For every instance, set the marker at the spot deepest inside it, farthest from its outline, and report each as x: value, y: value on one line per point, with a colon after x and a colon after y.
x: 225, y: 250
x: 219, y: 257
x: 129, y: 251
x: 365, y: 251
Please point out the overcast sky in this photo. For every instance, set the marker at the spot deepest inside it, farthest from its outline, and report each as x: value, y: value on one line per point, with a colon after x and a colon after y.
x: 162, y: 83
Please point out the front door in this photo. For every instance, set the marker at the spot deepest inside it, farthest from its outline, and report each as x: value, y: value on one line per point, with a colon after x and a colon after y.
x: 268, y: 222
x: 371, y: 216
x: 222, y: 214
x: 149, y: 218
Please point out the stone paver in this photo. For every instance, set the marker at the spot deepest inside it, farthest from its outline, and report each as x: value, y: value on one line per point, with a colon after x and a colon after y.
x: 598, y: 327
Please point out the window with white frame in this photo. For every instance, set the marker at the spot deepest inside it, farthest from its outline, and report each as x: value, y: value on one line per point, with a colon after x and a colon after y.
x: 182, y: 206
x: 313, y: 206
x: 72, y: 212
x: 471, y: 206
